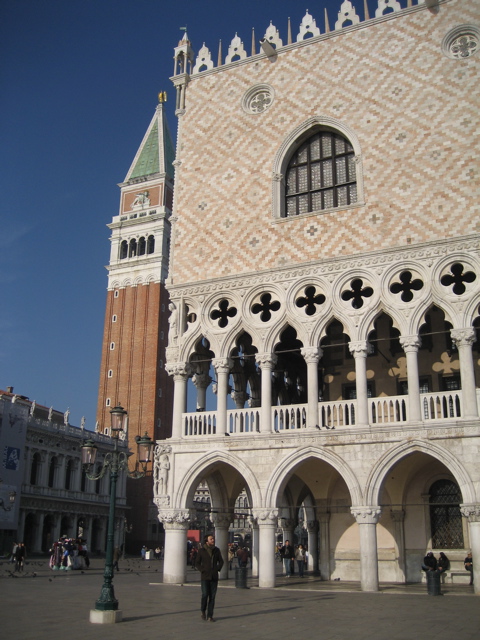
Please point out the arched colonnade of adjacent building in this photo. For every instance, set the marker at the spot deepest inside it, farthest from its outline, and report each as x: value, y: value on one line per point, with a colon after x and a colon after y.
x: 368, y: 516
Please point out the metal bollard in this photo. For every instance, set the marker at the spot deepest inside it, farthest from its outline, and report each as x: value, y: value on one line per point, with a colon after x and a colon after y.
x: 241, y: 578
x: 433, y: 583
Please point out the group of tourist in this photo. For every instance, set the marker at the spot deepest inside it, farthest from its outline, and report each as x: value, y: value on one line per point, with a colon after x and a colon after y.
x: 430, y: 563
x: 239, y: 553
x: 289, y: 555
x: 68, y: 554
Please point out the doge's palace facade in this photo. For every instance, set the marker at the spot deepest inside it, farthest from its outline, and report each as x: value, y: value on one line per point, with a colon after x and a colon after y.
x: 325, y: 285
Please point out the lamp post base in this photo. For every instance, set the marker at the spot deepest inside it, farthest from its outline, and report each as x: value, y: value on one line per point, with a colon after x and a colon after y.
x: 105, y: 617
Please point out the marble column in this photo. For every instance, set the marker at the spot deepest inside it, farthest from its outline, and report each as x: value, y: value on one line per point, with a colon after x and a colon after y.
x: 201, y: 382
x: 367, y: 518
x: 312, y: 530
x: 288, y: 526
x: 180, y: 371
x: 255, y: 541
x: 221, y: 522
x: 359, y: 351
x: 267, y: 526
x: 410, y: 345
x: 266, y: 362
x: 176, y: 524
x: 464, y: 339
x: 472, y: 513
x: 398, y: 517
x: 324, y: 544
x: 222, y: 368
x: 312, y: 355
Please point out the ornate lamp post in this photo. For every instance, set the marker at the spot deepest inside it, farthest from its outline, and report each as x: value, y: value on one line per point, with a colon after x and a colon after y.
x: 106, y: 607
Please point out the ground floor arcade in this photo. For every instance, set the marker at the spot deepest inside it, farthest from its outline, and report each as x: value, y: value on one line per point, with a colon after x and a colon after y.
x: 373, y: 502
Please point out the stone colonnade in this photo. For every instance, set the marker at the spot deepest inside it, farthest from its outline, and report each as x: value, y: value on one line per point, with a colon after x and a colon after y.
x: 176, y: 523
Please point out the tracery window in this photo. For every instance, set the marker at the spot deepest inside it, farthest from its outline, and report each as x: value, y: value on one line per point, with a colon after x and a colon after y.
x: 321, y: 174
x: 445, y: 516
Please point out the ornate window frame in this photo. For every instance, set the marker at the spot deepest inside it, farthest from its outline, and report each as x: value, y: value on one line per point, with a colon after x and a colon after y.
x: 291, y: 143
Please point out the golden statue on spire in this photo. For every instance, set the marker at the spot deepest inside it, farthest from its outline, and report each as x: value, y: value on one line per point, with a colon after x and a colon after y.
x: 162, y: 96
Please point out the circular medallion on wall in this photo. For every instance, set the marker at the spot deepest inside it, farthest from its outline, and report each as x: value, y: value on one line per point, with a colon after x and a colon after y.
x: 258, y: 99
x: 462, y: 42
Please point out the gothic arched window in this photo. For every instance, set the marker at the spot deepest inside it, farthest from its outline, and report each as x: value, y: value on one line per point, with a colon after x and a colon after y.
x: 445, y: 516
x: 321, y: 174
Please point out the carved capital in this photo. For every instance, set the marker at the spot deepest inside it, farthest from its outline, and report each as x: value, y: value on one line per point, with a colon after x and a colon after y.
x: 221, y: 519
x: 179, y: 370
x: 222, y: 365
x: 463, y: 337
x: 175, y: 519
x: 201, y: 380
x: 358, y: 349
x: 266, y: 360
x: 312, y: 526
x: 286, y: 523
x: 366, y: 515
x: 311, y: 355
x: 471, y: 511
x: 266, y: 517
x: 410, y: 343
x: 277, y: 177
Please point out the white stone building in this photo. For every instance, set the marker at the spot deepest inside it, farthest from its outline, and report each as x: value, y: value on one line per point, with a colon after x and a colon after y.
x: 53, y: 495
x: 325, y: 271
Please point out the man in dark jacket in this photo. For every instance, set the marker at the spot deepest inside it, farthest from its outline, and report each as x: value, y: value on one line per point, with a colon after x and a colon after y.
x: 209, y: 562
x: 429, y: 562
x: 288, y: 553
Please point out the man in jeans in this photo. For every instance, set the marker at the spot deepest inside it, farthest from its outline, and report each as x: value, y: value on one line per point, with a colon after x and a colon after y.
x: 209, y: 562
x: 288, y: 553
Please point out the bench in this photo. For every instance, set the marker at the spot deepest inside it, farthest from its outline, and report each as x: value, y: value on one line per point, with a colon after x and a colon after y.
x: 463, y: 577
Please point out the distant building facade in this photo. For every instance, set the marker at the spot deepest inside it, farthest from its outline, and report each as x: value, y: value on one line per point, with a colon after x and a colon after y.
x: 325, y: 278
x: 53, y: 495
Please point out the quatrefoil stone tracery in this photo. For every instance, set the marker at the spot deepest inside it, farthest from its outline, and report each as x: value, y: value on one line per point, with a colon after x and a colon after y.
x: 458, y: 277
x: 223, y: 313
x: 311, y: 300
x: 265, y: 307
x: 406, y: 286
x: 258, y: 99
x: 357, y: 293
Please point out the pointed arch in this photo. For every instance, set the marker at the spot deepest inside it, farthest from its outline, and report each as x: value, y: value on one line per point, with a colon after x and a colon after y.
x: 384, y: 465
x: 215, y: 458
x: 292, y: 143
x: 277, y: 479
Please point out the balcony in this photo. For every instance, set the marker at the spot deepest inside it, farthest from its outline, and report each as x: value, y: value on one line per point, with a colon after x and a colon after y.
x: 385, y: 411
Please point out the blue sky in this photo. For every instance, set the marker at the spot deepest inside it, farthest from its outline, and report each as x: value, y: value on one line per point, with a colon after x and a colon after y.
x: 78, y: 87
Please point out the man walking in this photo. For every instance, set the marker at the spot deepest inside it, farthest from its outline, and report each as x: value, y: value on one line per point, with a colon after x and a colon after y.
x: 288, y: 553
x: 209, y: 562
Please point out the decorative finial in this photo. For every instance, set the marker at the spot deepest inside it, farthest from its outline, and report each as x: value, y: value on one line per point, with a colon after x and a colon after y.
x: 327, y: 26
x: 162, y: 96
x: 365, y: 8
x: 253, y: 40
x: 289, y: 32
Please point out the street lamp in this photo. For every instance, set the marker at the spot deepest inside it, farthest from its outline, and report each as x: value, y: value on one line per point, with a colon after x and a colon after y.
x: 11, y: 496
x: 106, y: 607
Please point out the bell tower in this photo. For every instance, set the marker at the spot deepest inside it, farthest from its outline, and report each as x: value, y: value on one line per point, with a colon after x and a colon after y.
x: 132, y: 370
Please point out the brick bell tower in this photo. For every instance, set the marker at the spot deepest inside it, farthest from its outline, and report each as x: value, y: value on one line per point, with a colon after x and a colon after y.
x: 136, y: 320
